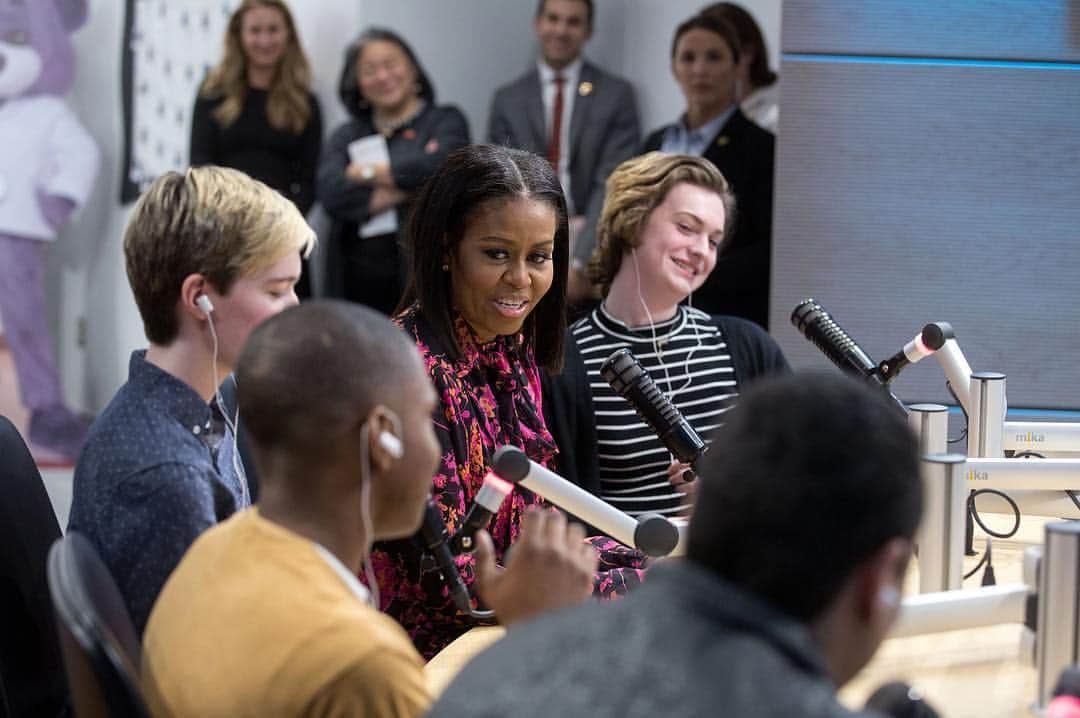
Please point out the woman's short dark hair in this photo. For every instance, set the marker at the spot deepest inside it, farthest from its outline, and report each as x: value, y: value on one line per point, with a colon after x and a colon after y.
x: 349, y: 85
x: 724, y: 29
x: 749, y: 37
x: 471, y: 177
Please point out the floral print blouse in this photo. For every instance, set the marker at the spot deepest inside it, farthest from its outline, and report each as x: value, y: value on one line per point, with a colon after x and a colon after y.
x: 490, y: 396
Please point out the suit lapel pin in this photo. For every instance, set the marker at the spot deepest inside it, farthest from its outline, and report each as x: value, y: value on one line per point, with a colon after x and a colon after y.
x: 584, y: 89
x: 722, y: 141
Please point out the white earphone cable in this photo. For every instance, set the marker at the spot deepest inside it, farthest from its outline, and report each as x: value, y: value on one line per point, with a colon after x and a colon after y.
x: 238, y: 467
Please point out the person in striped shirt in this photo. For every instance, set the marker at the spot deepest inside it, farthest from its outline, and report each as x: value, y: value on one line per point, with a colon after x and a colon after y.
x: 664, y: 220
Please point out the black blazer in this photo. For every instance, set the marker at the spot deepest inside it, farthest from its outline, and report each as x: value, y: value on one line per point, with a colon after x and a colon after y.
x: 745, y: 154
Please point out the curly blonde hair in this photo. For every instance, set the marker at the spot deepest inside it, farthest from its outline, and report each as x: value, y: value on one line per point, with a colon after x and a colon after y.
x: 287, y: 105
x: 637, y: 187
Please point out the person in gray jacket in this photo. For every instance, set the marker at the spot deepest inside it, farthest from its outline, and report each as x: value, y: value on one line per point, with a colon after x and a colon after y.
x: 796, y: 555
x: 582, y: 119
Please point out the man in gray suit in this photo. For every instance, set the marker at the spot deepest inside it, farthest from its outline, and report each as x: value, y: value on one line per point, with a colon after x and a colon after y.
x: 583, y: 119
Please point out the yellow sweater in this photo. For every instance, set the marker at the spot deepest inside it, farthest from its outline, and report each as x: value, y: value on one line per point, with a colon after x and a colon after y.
x: 254, y: 622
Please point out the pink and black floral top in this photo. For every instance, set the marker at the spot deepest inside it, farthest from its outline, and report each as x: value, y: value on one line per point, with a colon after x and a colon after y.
x: 490, y: 396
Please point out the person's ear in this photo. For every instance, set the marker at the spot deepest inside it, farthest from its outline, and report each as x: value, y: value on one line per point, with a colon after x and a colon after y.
x: 192, y: 288
x: 881, y: 582
x: 386, y: 443
x: 746, y: 57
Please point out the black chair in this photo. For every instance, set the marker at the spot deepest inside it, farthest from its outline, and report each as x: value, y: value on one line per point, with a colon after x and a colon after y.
x: 100, y: 648
x: 31, y: 669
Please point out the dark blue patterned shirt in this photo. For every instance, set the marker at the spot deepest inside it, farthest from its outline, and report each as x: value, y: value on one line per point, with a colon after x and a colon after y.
x: 156, y: 471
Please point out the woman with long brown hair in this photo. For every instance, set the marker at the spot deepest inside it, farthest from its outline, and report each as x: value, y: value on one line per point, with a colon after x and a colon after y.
x: 255, y: 111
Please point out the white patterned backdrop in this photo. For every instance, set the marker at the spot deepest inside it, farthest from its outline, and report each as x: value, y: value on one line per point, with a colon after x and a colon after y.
x: 170, y: 47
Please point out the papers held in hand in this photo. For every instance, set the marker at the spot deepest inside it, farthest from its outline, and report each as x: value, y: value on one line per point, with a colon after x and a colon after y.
x: 374, y: 150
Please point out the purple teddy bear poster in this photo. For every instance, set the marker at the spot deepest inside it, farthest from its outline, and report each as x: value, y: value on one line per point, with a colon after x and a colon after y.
x: 47, y: 170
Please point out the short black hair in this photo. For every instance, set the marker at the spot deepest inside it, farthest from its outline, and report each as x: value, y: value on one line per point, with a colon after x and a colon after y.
x: 349, y: 85
x: 588, y: 10
x: 471, y: 177
x: 809, y: 476
x: 314, y: 371
x: 723, y: 28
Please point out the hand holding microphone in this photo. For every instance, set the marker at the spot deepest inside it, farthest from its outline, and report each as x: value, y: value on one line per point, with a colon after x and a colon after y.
x: 550, y: 567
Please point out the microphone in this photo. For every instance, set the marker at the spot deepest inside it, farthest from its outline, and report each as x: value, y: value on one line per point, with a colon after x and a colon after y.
x: 818, y: 326
x: 899, y: 700
x: 434, y: 537
x: 652, y: 533
x: 1066, y: 700
x: 932, y: 338
x: 487, y: 502
x: 629, y: 379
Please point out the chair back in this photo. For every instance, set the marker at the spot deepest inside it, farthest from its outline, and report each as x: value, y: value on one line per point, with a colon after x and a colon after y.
x: 31, y: 670
x: 101, y: 651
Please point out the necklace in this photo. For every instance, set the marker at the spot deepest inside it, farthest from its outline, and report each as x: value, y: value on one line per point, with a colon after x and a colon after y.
x: 390, y: 127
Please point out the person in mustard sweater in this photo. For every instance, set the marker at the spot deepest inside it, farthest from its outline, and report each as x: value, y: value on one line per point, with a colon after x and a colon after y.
x: 264, y: 615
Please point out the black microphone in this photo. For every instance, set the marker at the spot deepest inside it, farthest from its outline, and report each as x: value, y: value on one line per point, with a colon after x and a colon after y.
x: 630, y: 380
x: 818, y: 326
x: 1065, y: 702
x: 486, y: 504
x: 899, y: 700
x: 434, y: 537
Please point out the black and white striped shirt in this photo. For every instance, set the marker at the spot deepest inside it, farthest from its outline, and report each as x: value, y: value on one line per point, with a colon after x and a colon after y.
x: 688, y: 358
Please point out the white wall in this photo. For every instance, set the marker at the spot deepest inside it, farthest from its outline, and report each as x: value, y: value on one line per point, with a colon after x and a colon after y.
x: 467, y: 46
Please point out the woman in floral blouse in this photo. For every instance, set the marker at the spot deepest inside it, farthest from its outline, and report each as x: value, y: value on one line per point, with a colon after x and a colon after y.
x: 486, y: 307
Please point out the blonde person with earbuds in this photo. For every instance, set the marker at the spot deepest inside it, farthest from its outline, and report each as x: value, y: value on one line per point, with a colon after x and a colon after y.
x: 665, y: 220
x: 210, y: 254
x: 346, y: 454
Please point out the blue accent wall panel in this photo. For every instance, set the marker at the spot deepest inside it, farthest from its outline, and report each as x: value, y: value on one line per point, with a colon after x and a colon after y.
x: 997, y: 29
x: 930, y: 189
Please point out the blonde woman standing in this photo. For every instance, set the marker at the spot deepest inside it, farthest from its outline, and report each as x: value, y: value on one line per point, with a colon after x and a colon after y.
x: 255, y: 111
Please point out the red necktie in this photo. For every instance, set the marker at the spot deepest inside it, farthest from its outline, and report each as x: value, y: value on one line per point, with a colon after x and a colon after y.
x: 556, y: 124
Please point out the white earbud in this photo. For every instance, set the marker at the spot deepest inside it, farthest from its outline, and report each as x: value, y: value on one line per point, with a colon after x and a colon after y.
x: 203, y: 302
x: 391, y: 444
x: 889, y: 596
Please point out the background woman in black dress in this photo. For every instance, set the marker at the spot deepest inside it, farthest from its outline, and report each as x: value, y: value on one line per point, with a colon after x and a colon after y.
x: 255, y: 111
